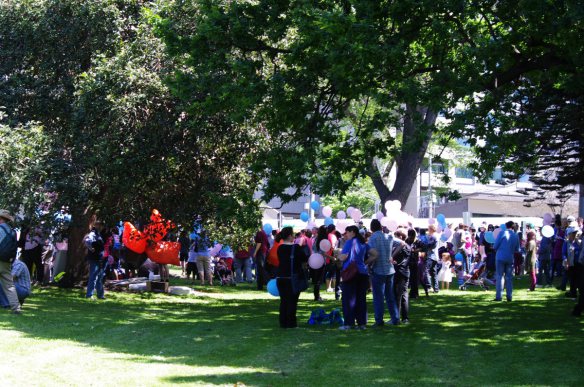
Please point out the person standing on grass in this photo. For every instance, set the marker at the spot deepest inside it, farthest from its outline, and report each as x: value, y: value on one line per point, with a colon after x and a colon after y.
x: 506, y: 244
x: 354, y: 298
x: 9, y: 245
x: 531, y: 258
x: 291, y: 257
x: 259, y: 257
x: 401, y: 259
x: 579, y: 280
x: 95, y: 246
x: 429, y: 243
x: 382, y: 280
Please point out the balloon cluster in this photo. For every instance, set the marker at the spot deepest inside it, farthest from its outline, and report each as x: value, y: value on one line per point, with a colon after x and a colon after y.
x: 150, y: 240
x: 395, y: 216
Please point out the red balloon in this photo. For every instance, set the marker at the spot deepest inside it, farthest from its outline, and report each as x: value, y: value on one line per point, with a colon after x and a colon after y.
x: 164, y: 253
x: 134, y: 239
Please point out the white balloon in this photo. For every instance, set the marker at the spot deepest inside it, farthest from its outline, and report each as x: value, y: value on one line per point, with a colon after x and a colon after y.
x: 547, y: 231
x: 397, y: 204
x: 341, y: 215
x: 316, y: 261
x: 379, y: 215
x: 388, y: 205
x: 324, y: 245
x: 341, y: 226
x: 356, y: 215
x: 431, y: 221
x: 327, y: 211
x: 392, y: 225
x: 350, y: 210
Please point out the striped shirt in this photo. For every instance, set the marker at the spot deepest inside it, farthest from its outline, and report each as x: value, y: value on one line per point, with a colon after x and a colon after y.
x: 384, y: 246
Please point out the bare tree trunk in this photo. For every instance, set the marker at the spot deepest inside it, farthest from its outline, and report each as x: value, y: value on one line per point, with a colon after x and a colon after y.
x: 416, y: 138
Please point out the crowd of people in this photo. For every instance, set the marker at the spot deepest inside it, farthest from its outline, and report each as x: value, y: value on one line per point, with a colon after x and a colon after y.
x: 393, y: 266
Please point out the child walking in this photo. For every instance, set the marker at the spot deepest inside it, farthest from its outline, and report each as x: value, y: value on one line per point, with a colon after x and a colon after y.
x: 445, y: 273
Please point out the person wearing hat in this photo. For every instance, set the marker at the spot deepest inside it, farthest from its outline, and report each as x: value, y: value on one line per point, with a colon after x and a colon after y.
x: 8, y: 236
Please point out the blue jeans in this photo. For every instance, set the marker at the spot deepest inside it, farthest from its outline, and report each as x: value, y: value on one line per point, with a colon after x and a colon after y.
x: 383, y: 293
x: 244, y: 264
x: 96, y: 273
x: 507, y: 269
x: 21, y: 292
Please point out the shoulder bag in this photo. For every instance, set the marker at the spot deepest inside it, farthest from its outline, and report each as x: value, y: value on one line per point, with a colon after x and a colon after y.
x: 349, y: 272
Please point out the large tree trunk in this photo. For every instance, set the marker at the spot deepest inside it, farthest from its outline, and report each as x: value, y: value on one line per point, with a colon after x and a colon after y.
x: 82, y: 220
x: 416, y: 139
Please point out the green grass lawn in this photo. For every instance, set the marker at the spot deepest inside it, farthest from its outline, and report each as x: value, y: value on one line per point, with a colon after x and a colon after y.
x: 231, y: 336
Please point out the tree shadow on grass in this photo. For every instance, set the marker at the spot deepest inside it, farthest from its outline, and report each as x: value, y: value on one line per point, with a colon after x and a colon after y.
x: 453, y: 339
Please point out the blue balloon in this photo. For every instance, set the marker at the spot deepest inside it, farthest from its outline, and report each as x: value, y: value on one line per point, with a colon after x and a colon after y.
x: 441, y: 218
x: 503, y: 227
x: 443, y: 238
x: 328, y: 221
x: 459, y: 257
x: 268, y: 228
x: 273, y: 288
x: 193, y: 235
x: 315, y: 205
x: 489, y: 237
x: 304, y: 216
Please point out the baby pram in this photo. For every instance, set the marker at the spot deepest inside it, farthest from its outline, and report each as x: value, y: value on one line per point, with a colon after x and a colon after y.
x: 476, y: 278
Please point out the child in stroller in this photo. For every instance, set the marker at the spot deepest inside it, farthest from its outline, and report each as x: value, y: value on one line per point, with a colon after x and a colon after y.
x: 477, y: 275
x: 223, y: 271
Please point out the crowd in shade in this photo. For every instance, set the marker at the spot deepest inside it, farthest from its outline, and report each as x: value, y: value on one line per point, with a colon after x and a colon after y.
x: 390, y: 259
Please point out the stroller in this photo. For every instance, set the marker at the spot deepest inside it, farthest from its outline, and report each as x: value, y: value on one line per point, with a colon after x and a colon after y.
x: 476, y: 278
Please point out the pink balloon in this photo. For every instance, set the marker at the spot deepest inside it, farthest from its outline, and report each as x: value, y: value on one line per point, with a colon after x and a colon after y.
x: 350, y: 210
x: 316, y: 261
x: 327, y: 211
x: 341, y: 215
x: 379, y: 215
x: 431, y: 221
x: 448, y: 233
x: 216, y: 249
x: 356, y: 215
x: 392, y: 225
x: 324, y: 245
x: 385, y: 221
x: 341, y: 226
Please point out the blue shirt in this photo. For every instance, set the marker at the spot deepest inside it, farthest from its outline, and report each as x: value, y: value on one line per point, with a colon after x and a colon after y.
x: 356, y: 252
x: 429, y: 244
x: 507, y: 244
x: 21, y: 275
x: 383, y: 245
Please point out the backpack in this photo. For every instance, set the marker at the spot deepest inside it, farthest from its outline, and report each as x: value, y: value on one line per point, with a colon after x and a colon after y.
x: 8, y: 245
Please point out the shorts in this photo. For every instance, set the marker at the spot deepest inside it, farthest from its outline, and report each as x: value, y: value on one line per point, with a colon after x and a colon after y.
x: 204, y: 264
x: 191, y: 268
x: 183, y: 257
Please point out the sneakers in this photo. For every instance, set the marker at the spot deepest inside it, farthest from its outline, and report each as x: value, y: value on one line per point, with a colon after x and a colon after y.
x: 362, y: 327
x: 345, y: 328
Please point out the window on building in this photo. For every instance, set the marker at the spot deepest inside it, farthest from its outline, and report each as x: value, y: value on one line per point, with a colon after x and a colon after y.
x: 497, y: 174
x: 463, y: 173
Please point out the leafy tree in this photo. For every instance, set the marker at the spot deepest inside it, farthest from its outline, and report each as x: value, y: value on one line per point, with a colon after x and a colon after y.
x: 526, y: 113
x: 116, y: 143
x: 337, y: 86
x: 361, y: 195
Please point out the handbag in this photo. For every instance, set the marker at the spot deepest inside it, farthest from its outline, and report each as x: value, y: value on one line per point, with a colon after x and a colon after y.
x: 349, y: 272
x: 299, y: 281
